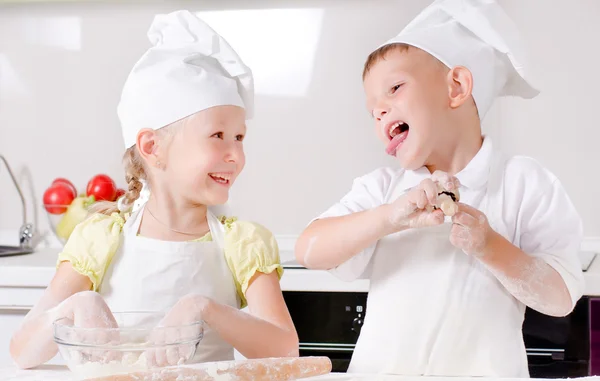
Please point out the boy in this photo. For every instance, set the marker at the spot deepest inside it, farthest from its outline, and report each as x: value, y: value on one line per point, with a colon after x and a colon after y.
x: 449, y: 299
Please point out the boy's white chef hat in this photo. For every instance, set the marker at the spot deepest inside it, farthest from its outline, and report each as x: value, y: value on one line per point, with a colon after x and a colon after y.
x: 188, y: 69
x: 478, y: 35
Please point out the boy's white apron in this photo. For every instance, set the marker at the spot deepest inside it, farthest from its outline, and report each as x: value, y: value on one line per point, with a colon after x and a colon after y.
x: 433, y: 310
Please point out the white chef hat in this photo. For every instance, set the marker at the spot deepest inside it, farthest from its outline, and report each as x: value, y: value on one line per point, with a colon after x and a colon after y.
x: 478, y: 35
x: 188, y: 69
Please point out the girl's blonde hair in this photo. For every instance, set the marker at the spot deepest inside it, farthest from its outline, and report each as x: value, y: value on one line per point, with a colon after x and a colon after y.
x: 135, y: 170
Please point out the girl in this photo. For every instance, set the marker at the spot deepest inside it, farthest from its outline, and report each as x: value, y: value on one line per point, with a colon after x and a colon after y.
x: 182, y: 112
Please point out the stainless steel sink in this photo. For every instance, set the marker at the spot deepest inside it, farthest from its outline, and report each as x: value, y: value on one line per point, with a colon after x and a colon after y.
x: 26, y: 231
x: 5, y: 251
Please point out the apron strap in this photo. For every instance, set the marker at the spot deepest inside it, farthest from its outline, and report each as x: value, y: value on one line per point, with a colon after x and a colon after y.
x: 217, y: 230
x: 132, y: 225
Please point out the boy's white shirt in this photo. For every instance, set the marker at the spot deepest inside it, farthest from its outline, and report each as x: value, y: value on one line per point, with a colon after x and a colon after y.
x: 536, y: 215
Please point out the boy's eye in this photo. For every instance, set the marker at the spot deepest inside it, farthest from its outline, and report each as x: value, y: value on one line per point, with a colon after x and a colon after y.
x: 239, y: 138
x: 218, y: 135
x: 395, y: 88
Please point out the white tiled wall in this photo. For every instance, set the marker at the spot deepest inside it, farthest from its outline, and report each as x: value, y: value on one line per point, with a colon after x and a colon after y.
x: 62, y: 65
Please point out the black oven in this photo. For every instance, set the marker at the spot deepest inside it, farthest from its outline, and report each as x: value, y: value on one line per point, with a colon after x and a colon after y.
x: 328, y: 324
x: 558, y: 347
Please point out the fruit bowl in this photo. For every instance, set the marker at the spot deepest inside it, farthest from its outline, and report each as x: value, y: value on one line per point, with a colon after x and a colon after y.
x: 138, y: 344
x: 53, y: 221
x: 63, y: 218
x: 65, y: 208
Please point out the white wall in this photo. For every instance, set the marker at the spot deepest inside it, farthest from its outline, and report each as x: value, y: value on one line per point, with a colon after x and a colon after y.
x: 62, y: 66
x: 560, y: 127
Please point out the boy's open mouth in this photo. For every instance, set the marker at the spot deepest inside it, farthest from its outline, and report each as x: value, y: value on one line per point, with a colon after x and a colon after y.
x: 396, y: 128
x: 397, y: 133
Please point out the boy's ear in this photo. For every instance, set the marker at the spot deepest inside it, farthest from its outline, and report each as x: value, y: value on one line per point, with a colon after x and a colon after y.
x: 460, y: 85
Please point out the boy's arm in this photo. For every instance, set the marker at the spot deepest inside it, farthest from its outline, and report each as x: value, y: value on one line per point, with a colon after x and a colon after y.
x: 330, y: 242
x: 327, y: 243
x: 544, y: 273
x: 530, y: 279
x: 348, y: 262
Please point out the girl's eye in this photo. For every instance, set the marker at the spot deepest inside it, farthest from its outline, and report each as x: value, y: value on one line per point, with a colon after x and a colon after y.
x: 239, y: 138
x: 218, y: 135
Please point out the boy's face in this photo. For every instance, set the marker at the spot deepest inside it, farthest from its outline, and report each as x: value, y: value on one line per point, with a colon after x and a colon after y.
x: 408, y: 96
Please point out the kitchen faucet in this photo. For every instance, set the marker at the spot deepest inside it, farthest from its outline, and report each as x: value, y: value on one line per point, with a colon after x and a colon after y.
x: 26, y: 231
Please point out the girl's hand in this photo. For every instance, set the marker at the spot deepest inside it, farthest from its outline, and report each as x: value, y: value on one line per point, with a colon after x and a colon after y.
x: 88, y: 309
x: 187, y: 311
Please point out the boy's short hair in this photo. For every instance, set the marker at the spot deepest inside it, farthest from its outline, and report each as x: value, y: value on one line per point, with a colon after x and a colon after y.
x: 379, y: 54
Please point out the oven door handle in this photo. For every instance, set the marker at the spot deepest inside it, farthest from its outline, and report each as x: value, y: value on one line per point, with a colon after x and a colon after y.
x: 555, y: 354
x: 327, y: 349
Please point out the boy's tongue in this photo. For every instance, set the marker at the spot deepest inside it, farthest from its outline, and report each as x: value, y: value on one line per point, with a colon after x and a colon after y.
x: 395, y: 143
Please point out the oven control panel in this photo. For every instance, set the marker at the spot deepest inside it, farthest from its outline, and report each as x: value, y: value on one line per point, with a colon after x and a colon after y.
x: 327, y: 317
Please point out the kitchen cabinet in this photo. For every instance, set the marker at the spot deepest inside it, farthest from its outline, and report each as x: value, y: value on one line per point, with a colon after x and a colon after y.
x: 15, y: 303
x: 23, y: 280
x: 10, y: 319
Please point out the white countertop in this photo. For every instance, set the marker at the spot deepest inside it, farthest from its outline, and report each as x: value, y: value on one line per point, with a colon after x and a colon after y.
x: 61, y: 373
x: 37, y: 269
x: 315, y: 280
x: 372, y: 377
x: 29, y: 270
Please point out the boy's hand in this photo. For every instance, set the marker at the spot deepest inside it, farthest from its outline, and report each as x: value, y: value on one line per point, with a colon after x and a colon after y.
x: 471, y: 231
x: 415, y: 208
x: 448, y: 182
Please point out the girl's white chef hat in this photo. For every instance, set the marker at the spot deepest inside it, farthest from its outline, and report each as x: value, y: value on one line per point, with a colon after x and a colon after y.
x: 188, y: 69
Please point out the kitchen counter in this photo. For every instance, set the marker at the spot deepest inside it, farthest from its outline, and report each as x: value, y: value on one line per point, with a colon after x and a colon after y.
x: 371, y: 377
x: 29, y: 270
x: 61, y: 373
x: 297, y: 278
x: 24, y: 278
x: 316, y: 280
x: 36, y: 270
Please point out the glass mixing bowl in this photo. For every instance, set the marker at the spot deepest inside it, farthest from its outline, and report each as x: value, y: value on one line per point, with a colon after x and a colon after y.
x: 138, y: 344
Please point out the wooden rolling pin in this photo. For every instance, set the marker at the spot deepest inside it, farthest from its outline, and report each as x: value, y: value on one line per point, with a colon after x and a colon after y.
x: 272, y: 369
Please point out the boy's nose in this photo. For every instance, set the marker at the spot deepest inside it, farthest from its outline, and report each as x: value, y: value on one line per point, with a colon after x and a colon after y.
x: 379, y: 113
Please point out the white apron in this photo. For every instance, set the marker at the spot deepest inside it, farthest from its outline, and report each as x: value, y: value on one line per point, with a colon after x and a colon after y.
x: 152, y: 275
x: 433, y: 310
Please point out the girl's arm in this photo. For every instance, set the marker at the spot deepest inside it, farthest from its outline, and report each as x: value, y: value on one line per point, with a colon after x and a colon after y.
x: 267, y: 331
x: 32, y: 344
